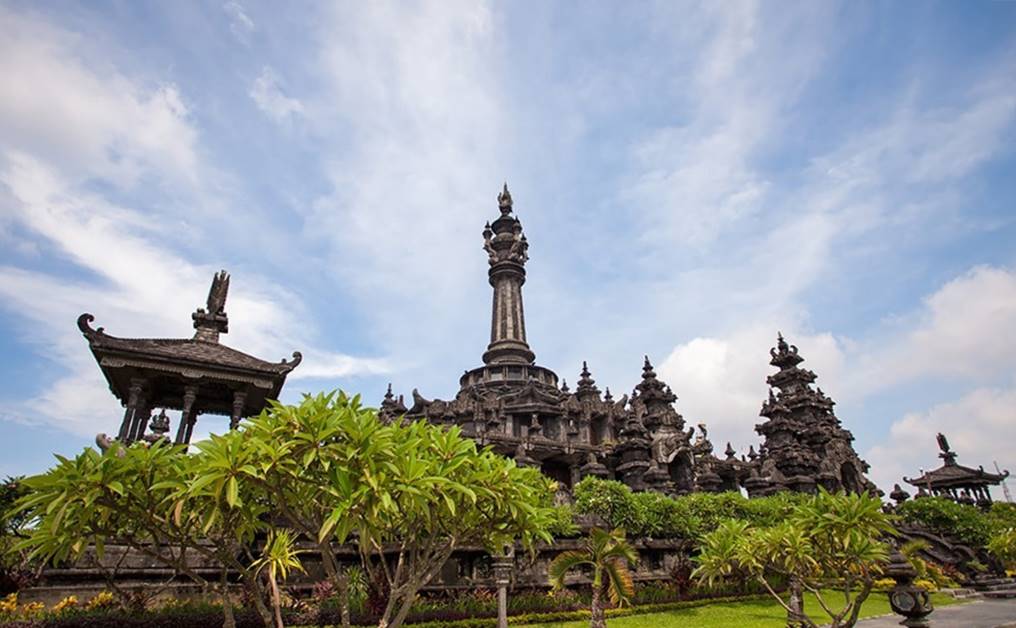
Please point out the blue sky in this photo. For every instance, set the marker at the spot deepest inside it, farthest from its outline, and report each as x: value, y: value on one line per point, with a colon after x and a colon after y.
x: 691, y: 178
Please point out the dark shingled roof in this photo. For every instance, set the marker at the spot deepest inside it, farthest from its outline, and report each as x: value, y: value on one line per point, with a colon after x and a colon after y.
x: 198, y: 352
x: 956, y: 475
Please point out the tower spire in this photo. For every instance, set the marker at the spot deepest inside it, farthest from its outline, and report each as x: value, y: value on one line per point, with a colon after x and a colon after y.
x: 508, y: 252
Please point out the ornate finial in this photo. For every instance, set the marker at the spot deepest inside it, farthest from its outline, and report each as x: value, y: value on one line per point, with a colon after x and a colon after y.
x: 85, y: 327
x: 290, y: 365
x: 211, y: 320
x: 607, y: 396
x: 388, y: 395
x: 585, y: 369
x: 504, y: 201
x: 217, y: 293
x: 947, y: 454
x: 729, y: 452
x: 564, y: 385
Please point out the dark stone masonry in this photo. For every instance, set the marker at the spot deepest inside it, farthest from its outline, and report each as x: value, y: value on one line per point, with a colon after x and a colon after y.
x: 524, y: 411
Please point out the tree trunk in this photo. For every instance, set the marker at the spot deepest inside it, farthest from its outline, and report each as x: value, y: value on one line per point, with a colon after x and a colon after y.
x: 596, y: 616
x: 276, y: 602
x: 254, y: 592
x: 339, y: 579
x: 228, y: 621
x: 796, y: 617
x: 342, y: 581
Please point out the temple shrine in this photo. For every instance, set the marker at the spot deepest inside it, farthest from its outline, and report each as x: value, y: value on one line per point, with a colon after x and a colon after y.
x: 196, y: 376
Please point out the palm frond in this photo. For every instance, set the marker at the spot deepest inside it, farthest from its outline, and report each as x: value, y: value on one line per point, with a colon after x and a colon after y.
x: 620, y: 585
x: 563, y: 563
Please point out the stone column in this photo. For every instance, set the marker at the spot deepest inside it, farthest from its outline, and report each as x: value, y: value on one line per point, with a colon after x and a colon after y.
x: 140, y: 422
x: 134, y: 398
x: 187, y: 419
x: 239, y: 398
x: 502, y: 578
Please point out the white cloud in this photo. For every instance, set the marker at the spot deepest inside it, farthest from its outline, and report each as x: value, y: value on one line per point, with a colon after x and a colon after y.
x: 74, y: 129
x: 961, y: 332
x: 414, y: 120
x: 144, y: 289
x: 979, y: 426
x: 267, y: 93
x: 87, y: 117
x: 721, y: 381
x: 239, y: 22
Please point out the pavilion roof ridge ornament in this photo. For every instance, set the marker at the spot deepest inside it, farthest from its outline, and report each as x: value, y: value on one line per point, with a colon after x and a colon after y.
x: 84, y: 325
x: 290, y: 365
x: 211, y: 320
x: 947, y: 455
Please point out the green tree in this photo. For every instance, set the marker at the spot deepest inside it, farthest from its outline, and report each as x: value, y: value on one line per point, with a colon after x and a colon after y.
x: 14, y: 566
x: 277, y: 559
x: 408, y: 494
x: 156, y: 501
x: 829, y: 541
x: 1003, y: 546
x: 607, y: 554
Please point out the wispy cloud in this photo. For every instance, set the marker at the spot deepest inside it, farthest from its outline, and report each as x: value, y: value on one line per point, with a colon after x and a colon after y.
x: 240, y: 23
x: 269, y: 97
x: 77, y: 143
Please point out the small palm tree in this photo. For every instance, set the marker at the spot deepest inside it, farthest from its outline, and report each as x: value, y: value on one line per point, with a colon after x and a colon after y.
x: 608, y: 554
x: 278, y: 557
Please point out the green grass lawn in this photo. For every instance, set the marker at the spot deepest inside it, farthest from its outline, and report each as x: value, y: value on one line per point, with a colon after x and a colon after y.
x: 748, y: 614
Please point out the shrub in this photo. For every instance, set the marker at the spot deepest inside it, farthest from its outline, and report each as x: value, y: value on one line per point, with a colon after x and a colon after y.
x: 959, y: 521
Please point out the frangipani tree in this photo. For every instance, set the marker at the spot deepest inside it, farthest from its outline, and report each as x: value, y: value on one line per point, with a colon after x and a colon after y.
x: 408, y: 494
x: 829, y: 542
x: 607, y: 555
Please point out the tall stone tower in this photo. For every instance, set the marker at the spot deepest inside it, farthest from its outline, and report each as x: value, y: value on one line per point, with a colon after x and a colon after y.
x: 805, y: 446
x: 507, y: 249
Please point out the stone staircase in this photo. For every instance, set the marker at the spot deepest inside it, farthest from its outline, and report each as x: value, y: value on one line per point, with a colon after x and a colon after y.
x: 996, y: 588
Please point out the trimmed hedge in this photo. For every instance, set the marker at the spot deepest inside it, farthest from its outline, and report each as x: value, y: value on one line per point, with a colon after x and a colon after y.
x: 960, y: 522
x: 655, y: 515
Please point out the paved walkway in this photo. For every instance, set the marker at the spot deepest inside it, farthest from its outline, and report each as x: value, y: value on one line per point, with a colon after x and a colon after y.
x: 980, y: 614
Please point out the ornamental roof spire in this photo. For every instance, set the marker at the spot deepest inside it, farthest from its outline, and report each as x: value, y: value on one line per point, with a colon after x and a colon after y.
x: 504, y: 200
x: 587, y: 385
x: 211, y: 320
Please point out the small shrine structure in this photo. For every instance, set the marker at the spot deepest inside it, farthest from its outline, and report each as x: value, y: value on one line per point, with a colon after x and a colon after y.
x: 196, y: 376
x: 955, y: 481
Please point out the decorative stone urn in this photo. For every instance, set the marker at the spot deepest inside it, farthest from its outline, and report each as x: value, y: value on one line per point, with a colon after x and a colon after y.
x: 907, y: 600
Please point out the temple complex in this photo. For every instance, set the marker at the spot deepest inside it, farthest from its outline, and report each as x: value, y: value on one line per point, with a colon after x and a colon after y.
x: 805, y: 445
x: 524, y: 411
x: 518, y: 407
x: 955, y: 481
x: 196, y: 376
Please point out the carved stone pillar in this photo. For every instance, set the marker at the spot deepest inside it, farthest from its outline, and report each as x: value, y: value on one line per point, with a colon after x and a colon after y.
x: 140, y: 421
x: 137, y: 387
x: 187, y: 417
x: 239, y: 398
x: 503, y: 578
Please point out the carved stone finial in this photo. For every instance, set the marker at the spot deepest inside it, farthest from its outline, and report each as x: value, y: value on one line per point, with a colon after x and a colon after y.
x: 504, y: 201
x: 729, y: 452
x: 290, y: 365
x: 211, y: 320
x: 84, y: 325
